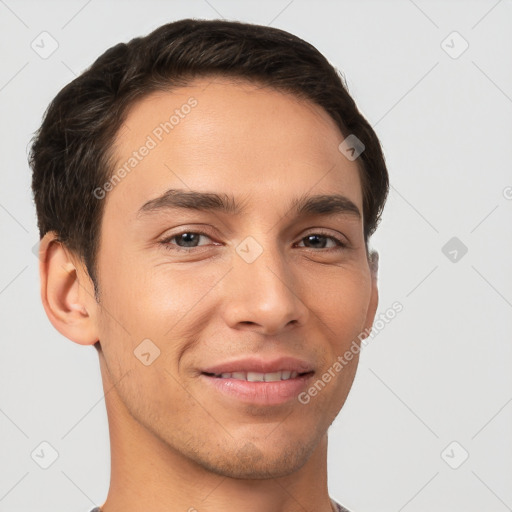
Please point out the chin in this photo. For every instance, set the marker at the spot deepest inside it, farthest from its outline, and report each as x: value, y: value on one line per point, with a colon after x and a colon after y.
x: 250, y: 462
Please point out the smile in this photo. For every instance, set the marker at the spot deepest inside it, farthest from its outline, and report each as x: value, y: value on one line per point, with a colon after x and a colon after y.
x: 255, y: 388
x: 259, y: 377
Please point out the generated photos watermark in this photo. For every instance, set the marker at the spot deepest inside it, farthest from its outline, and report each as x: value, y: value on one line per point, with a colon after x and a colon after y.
x: 152, y: 140
x: 342, y: 360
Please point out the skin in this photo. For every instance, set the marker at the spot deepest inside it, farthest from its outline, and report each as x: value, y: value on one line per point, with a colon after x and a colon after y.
x: 177, y: 444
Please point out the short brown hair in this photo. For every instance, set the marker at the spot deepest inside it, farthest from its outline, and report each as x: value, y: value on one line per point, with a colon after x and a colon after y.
x: 71, y: 152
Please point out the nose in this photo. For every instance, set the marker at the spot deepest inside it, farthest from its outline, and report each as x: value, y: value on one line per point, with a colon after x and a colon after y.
x: 264, y: 295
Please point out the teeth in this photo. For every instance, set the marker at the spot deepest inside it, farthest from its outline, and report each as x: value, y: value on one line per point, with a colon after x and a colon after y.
x: 255, y: 377
x: 260, y: 377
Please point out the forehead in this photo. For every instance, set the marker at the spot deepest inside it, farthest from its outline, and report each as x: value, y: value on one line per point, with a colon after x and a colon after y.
x: 228, y: 136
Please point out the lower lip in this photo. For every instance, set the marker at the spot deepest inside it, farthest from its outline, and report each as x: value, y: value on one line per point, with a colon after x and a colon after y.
x: 260, y: 393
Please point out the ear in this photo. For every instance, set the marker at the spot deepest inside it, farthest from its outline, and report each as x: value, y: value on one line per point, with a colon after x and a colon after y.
x: 373, y: 262
x: 67, y: 292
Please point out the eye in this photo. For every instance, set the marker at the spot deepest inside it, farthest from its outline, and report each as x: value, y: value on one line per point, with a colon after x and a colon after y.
x: 318, y: 241
x: 185, y: 241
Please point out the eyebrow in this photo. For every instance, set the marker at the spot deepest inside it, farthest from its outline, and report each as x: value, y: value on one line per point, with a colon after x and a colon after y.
x: 324, y: 204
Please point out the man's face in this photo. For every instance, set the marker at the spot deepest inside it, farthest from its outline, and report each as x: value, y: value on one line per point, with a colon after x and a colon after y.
x: 253, y: 292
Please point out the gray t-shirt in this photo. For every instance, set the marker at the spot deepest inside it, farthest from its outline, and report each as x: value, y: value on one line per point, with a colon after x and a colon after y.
x: 340, y: 508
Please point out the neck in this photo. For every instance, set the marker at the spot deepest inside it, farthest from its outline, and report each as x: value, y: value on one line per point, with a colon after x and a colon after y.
x: 148, y: 474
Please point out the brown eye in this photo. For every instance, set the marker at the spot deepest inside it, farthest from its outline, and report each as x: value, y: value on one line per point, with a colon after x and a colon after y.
x: 320, y: 240
x: 184, y: 241
x: 188, y: 239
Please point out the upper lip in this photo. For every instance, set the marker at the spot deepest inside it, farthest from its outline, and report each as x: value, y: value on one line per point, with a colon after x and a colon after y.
x: 261, y: 365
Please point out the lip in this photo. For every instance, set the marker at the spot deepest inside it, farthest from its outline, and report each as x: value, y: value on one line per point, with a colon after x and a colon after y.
x: 259, y: 393
x: 258, y: 364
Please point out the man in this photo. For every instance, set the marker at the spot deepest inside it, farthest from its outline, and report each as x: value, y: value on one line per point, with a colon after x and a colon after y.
x: 205, y: 198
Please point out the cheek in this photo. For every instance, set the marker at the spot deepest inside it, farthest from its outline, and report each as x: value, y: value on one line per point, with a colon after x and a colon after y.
x: 342, y: 304
x: 165, y: 306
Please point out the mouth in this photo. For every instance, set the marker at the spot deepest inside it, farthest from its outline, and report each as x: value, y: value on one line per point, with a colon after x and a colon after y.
x: 258, y: 376
x: 258, y: 382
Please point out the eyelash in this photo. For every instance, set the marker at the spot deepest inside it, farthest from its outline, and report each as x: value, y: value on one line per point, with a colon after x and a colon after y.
x: 340, y: 245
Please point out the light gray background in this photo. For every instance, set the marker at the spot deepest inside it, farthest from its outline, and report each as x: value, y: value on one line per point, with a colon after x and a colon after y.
x: 439, y: 372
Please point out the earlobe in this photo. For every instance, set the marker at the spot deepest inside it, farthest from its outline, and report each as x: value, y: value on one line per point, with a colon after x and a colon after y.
x: 68, y: 303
